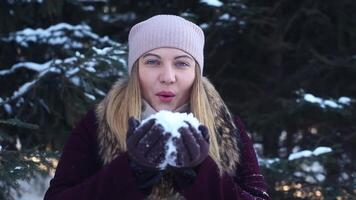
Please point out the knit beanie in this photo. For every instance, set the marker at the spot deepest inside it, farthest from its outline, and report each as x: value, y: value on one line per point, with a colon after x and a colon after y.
x: 166, y: 31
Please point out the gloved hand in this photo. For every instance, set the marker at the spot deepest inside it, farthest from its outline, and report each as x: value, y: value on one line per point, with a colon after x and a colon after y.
x: 192, y: 147
x: 146, y: 143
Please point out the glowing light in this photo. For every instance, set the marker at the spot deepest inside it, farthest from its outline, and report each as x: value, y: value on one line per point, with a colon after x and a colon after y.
x: 35, y: 159
x: 298, y: 194
x: 313, y: 130
x: 285, y: 187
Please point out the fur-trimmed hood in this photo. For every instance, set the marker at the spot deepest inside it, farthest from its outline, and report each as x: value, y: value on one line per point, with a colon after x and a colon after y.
x: 226, y: 130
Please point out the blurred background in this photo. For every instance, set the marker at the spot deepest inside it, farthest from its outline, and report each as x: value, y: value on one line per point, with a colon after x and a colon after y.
x: 287, y: 68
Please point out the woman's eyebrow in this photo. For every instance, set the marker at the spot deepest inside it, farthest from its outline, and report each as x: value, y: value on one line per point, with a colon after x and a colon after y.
x: 151, y: 54
x: 184, y: 56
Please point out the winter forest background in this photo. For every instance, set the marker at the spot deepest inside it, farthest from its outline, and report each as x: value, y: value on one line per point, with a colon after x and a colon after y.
x: 287, y: 68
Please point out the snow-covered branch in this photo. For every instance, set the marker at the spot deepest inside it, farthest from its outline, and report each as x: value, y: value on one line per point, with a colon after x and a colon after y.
x: 67, y: 35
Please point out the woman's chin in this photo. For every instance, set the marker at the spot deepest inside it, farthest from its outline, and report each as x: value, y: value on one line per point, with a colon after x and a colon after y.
x: 164, y: 107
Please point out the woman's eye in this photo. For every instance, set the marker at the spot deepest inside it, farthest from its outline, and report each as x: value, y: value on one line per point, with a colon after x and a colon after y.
x: 182, y: 64
x: 152, y: 62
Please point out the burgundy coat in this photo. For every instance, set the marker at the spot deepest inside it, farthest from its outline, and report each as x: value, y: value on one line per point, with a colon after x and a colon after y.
x: 80, y: 174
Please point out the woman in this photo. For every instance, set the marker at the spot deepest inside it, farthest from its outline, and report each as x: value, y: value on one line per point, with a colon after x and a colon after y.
x: 111, y: 155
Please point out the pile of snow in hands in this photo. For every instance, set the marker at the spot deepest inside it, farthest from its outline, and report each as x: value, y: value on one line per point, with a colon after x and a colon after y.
x: 171, y: 122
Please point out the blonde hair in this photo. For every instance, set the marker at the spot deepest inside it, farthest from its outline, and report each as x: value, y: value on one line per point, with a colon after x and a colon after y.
x: 125, y: 102
x: 200, y: 107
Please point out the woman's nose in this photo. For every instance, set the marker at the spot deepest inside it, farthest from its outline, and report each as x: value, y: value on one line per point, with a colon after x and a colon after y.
x: 168, y: 75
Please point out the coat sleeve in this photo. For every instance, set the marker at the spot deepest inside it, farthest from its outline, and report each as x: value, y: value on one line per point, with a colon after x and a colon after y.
x: 79, y: 174
x: 249, y: 181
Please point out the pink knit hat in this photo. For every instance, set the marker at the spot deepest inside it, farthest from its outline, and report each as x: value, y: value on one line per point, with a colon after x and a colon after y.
x: 166, y: 31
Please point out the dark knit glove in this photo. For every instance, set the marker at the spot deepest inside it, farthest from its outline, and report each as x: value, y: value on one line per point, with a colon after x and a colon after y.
x: 192, y: 146
x: 146, y: 143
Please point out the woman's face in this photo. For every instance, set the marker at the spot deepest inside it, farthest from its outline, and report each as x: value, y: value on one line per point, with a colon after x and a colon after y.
x: 166, y: 77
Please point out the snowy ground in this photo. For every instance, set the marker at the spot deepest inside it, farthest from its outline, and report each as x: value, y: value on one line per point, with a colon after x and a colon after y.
x: 34, y: 189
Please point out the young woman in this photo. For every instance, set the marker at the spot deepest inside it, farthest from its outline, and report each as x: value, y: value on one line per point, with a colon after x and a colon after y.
x: 112, y: 155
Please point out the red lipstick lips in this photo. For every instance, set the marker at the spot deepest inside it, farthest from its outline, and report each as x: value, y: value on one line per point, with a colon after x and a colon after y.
x: 165, y: 96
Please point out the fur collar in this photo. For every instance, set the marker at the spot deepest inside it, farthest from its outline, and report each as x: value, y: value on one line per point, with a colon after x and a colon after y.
x: 227, y: 136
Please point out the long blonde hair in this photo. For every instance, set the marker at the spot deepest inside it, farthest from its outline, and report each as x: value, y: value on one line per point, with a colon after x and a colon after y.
x: 125, y: 101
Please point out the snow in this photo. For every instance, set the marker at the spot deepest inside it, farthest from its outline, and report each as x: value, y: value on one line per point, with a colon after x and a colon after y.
x: 90, y: 96
x: 18, y: 168
x: 312, y: 99
x: 123, y: 61
x: 321, y: 150
x: 41, y: 68
x: 315, y: 172
x: 258, y: 148
x: 18, y: 144
x: 62, y: 34
x: 344, y: 176
x: 119, y: 51
x: 344, y: 100
x: 103, y: 51
x: 204, y: 25
x: 72, y: 71
x: 242, y: 23
x: 215, y: 3
x: 170, y: 155
x: 26, y: 1
x: 89, y: 66
x: 283, y: 136
x: 78, y: 54
x: 75, y: 80
x: 171, y: 122
x: 309, y: 179
x: 307, y: 153
x: 100, y: 92
x: 88, y: 8
x: 8, y: 108
x: 267, y: 161
x: 320, y: 177
x: 23, y: 89
x: 28, y: 65
x: 33, y: 189
x: 187, y: 14
x: 314, y: 167
x: 332, y: 104
x: 70, y: 36
x: 243, y: 6
x: 225, y: 16
x: 298, y: 174
x: 300, y: 154
x: 90, y: 69
x: 70, y: 60
x: 327, y: 103
x: 116, y: 17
